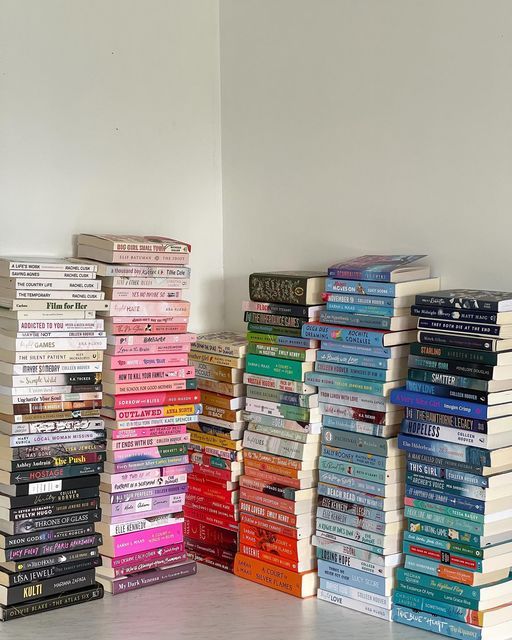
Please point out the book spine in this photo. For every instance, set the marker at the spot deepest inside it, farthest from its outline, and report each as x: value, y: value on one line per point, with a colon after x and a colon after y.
x: 133, y: 559
x: 356, y: 385
x: 438, y: 624
x: 461, y: 315
x: 447, y: 434
x: 436, y: 608
x: 457, y: 452
x: 414, y: 400
x: 467, y: 395
x: 460, y: 502
x: 451, y: 367
x: 60, y: 368
x: 443, y: 352
x: 325, y: 502
x: 459, y: 327
x: 369, y: 338
x: 254, y: 337
x: 437, y: 378
x: 368, y: 474
x: 357, y: 579
x: 278, y: 288
x: 299, y: 311
x: 455, y: 340
x: 378, y: 375
x: 147, y: 578
x: 330, y: 398
x: 445, y: 473
x: 343, y: 308
x: 277, y: 578
x: 353, y: 319
x: 380, y: 289
x: 353, y: 442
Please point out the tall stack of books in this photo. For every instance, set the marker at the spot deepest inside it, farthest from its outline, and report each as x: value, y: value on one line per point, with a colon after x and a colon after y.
x: 52, y: 437
x: 212, y: 511
x: 150, y: 397
x: 457, y: 435
x: 282, y: 441
x: 365, y: 333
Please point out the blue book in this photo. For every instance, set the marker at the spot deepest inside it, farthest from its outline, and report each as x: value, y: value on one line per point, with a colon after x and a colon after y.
x: 445, y: 609
x: 379, y: 375
x: 355, y: 320
x: 444, y: 391
x: 446, y: 486
x: 381, y: 289
x: 359, y: 350
x: 349, y: 482
x: 343, y: 307
x: 353, y: 577
x: 361, y: 337
x: 459, y: 502
x: 353, y: 360
x: 347, y: 495
x: 361, y: 300
x: 438, y: 624
x: 406, y: 398
x: 358, y: 385
x: 380, y: 268
x: 450, y: 451
x: 354, y: 457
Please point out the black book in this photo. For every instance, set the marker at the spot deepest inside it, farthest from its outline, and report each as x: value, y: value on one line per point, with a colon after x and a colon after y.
x: 12, y: 541
x: 290, y: 322
x: 50, y: 486
x: 49, y: 498
x: 12, y: 579
x: 287, y: 287
x: 31, y: 525
x: 467, y: 299
x: 48, y: 604
x: 47, y: 588
x: 47, y: 510
x: 51, y: 548
x: 52, y: 473
x: 49, y: 462
x: 30, y: 564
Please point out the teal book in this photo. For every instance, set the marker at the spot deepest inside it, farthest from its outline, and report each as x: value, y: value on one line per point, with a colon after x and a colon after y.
x: 277, y: 367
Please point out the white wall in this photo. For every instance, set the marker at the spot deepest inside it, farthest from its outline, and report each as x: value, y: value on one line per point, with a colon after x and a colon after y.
x: 363, y: 126
x: 110, y: 122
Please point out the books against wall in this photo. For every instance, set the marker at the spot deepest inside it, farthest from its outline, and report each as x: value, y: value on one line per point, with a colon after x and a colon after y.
x: 52, y: 437
x: 212, y: 503
x: 365, y: 333
x: 457, y: 438
x: 150, y: 397
x: 282, y: 440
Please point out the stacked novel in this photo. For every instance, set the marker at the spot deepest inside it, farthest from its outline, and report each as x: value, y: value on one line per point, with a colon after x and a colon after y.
x: 282, y: 441
x: 365, y: 333
x: 212, y: 511
x: 457, y: 435
x: 150, y: 397
x: 52, y: 437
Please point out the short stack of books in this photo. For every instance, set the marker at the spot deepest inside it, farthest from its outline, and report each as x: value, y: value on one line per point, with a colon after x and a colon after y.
x: 211, y: 510
x: 150, y: 396
x: 457, y: 435
x: 282, y: 442
x: 365, y: 333
x: 52, y: 436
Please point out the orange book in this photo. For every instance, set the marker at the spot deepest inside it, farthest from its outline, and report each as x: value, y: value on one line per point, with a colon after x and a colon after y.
x: 269, y: 458
x: 270, y: 558
x: 300, y: 585
x: 268, y: 467
x: 266, y: 476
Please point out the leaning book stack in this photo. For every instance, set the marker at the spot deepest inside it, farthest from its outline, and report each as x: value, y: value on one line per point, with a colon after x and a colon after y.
x: 212, y: 504
x: 457, y: 436
x: 365, y: 333
x: 52, y: 436
x: 282, y: 440
x: 150, y: 397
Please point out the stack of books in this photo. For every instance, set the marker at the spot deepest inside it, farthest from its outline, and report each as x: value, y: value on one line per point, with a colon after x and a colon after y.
x: 211, y: 510
x: 150, y: 396
x: 365, y: 333
x: 51, y: 433
x: 457, y: 435
x: 282, y: 441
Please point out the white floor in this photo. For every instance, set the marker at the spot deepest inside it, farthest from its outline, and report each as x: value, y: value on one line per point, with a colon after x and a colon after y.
x: 212, y: 605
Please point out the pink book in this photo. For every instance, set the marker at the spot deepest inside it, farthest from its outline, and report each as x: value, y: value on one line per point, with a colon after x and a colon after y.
x: 149, y: 432
x: 153, y: 412
x: 153, y: 399
x: 139, y: 308
x: 158, y: 561
x: 142, y: 541
x: 146, y: 514
x: 145, y: 452
x: 173, y: 338
x: 146, y: 556
x: 145, y: 294
x: 155, y: 319
x: 132, y: 445
x: 148, y: 387
x: 151, y: 349
x: 148, y: 328
x: 153, y: 374
x: 149, y: 422
x: 145, y: 361
x: 144, y: 506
